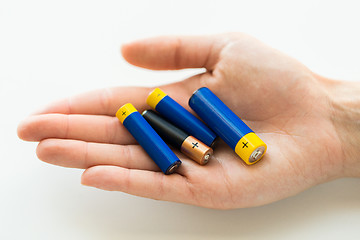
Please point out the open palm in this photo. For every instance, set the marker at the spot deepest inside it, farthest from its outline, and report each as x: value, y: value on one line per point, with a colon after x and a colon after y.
x: 276, y: 96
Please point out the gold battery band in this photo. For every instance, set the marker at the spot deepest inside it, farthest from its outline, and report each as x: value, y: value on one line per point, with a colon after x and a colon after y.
x: 125, y: 111
x: 155, y: 97
x: 250, y: 148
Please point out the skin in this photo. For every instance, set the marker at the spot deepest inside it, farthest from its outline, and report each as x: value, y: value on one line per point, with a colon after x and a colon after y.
x: 309, y: 123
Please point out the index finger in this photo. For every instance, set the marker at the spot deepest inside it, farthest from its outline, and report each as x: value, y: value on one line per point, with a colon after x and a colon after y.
x: 108, y: 100
x: 99, y: 102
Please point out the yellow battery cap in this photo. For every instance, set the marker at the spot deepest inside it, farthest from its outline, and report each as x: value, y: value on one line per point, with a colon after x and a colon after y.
x: 155, y: 97
x: 125, y: 111
x: 250, y: 148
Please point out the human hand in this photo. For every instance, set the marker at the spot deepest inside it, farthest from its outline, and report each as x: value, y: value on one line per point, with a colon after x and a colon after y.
x: 289, y: 107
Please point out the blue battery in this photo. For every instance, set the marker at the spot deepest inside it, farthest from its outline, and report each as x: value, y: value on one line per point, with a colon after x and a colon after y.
x: 146, y: 136
x: 180, y: 117
x: 227, y: 125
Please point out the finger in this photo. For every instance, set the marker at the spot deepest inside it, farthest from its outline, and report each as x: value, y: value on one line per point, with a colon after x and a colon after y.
x: 100, y: 102
x: 174, y: 52
x: 108, y: 101
x: 80, y: 154
x: 141, y: 183
x: 90, y: 128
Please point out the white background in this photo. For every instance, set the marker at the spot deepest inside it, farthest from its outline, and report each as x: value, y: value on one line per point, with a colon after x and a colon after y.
x: 53, y: 49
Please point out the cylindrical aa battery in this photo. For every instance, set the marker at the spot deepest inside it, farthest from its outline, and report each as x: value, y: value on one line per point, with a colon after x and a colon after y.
x: 180, y: 117
x: 148, y: 138
x: 227, y: 125
x: 190, y: 146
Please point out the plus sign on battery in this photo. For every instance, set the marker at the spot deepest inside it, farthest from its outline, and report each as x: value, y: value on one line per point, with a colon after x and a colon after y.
x: 195, y: 145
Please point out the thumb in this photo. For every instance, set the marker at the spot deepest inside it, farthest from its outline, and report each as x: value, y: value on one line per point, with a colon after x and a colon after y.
x: 174, y: 52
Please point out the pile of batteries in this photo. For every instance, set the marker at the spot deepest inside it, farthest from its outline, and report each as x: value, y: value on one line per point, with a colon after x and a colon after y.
x: 181, y: 129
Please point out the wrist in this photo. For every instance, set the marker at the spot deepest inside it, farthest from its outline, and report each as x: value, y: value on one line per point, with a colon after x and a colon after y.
x: 344, y: 99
